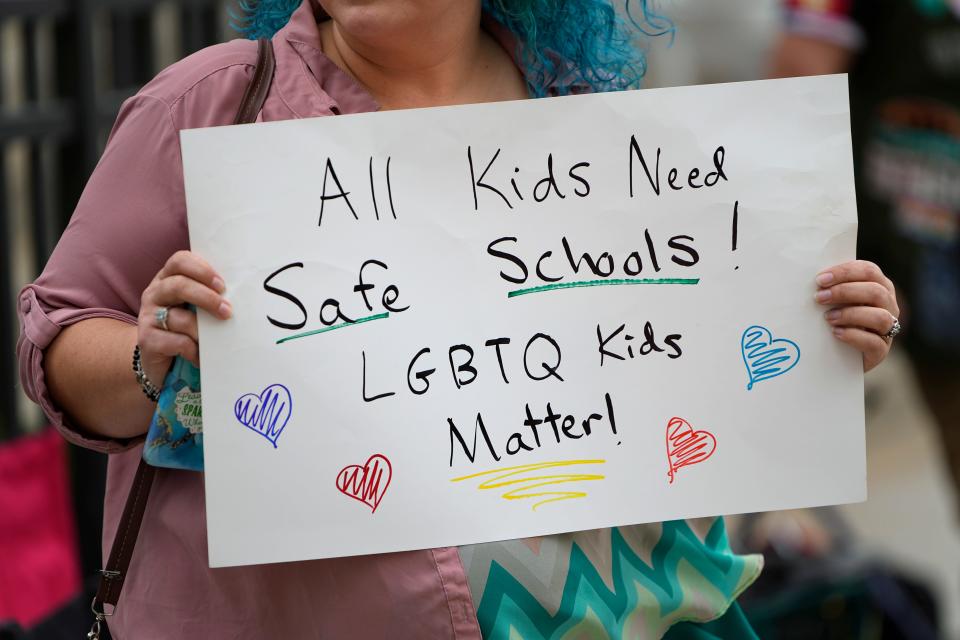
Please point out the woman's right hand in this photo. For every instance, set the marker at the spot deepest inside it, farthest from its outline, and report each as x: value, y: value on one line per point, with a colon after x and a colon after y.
x: 186, y: 278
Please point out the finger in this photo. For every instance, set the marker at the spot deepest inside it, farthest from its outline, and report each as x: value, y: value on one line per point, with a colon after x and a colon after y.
x: 854, y: 271
x: 189, y: 264
x: 176, y: 290
x: 180, y: 320
x: 169, y: 344
x: 870, y: 294
x: 873, y: 347
x: 872, y: 318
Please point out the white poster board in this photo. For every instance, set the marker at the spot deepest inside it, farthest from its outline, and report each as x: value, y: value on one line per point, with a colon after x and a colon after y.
x: 475, y: 323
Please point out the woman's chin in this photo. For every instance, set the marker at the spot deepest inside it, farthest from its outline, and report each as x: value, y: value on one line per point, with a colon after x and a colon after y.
x: 386, y: 20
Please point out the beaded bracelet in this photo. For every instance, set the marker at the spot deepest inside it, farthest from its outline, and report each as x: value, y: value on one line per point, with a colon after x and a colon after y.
x: 148, y: 388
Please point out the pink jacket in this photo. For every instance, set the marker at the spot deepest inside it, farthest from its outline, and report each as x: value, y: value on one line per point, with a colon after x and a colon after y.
x: 130, y: 219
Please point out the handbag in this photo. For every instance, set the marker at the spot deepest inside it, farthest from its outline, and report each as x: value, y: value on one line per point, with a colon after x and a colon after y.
x: 113, y: 574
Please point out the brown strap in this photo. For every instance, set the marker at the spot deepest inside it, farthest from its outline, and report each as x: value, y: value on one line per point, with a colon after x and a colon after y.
x: 256, y: 92
x: 112, y: 577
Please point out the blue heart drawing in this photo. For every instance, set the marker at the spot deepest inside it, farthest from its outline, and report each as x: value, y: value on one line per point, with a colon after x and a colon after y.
x: 766, y: 357
x: 267, y: 413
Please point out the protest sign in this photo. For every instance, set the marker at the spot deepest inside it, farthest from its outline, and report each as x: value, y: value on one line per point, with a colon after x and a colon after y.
x: 473, y: 323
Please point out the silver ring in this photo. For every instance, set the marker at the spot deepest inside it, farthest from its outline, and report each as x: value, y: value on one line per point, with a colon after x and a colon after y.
x: 162, y: 314
x: 894, y: 330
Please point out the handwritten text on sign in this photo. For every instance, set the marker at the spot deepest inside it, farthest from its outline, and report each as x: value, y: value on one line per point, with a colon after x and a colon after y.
x: 493, y: 321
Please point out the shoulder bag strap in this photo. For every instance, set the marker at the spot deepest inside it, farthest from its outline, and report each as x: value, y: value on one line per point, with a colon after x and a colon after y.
x: 256, y: 92
x: 113, y: 575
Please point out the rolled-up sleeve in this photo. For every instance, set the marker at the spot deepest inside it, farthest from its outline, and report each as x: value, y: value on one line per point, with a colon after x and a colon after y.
x: 130, y: 219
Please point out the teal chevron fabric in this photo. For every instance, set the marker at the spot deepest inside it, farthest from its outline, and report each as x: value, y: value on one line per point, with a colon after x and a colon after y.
x: 627, y: 582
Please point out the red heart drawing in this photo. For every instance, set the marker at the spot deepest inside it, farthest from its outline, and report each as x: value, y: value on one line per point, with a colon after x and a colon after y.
x: 367, y: 483
x: 686, y: 445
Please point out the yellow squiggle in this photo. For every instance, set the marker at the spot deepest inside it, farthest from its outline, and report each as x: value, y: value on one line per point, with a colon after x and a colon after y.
x: 505, y: 476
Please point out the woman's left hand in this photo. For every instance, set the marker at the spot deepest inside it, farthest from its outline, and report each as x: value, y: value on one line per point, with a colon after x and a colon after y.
x: 863, y: 307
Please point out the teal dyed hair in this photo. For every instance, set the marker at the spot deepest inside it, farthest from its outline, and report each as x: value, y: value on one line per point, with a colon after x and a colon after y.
x: 566, y: 43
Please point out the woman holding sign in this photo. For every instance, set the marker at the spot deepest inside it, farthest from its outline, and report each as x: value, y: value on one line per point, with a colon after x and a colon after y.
x: 122, y: 276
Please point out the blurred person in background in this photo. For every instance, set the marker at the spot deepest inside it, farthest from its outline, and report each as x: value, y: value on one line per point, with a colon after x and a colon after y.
x: 903, y: 57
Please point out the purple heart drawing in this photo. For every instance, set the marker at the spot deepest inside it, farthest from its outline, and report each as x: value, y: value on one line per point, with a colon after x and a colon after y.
x: 267, y: 413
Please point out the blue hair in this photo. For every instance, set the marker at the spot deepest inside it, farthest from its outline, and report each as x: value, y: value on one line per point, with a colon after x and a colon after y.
x: 564, y: 43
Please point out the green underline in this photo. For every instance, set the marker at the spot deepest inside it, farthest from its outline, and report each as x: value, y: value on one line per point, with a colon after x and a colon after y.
x: 601, y: 283
x: 379, y: 316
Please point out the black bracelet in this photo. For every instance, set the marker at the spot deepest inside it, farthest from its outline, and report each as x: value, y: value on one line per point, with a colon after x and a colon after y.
x: 148, y: 388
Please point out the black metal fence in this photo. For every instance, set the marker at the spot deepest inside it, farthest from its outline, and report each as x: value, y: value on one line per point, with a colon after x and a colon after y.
x: 68, y: 65
x: 65, y: 68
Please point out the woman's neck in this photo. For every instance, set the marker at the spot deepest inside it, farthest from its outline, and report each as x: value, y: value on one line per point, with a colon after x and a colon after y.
x: 457, y: 63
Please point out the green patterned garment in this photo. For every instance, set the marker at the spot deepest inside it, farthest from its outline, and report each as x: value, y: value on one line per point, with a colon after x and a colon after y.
x: 628, y: 582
